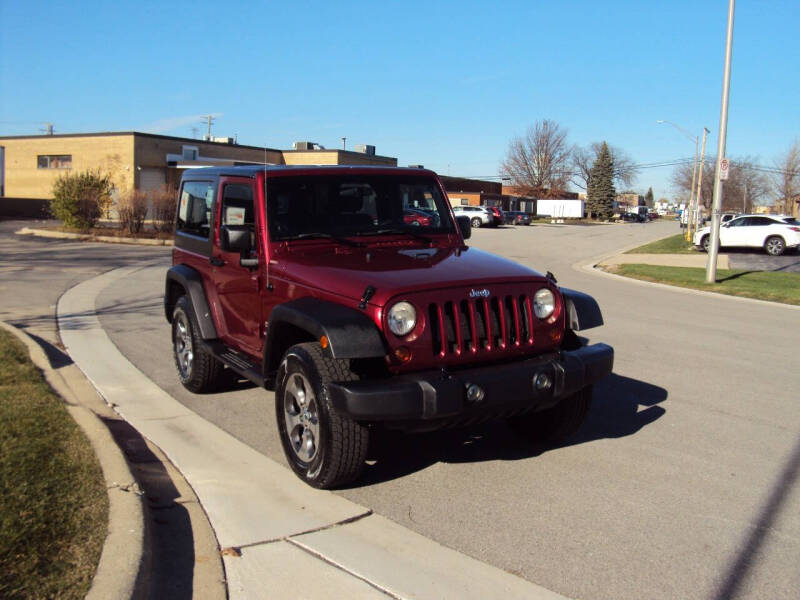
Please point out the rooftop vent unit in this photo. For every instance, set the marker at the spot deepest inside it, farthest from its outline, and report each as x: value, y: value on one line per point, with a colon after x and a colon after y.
x: 416, y: 166
x: 365, y: 149
x: 307, y: 146
x: 224, y: 140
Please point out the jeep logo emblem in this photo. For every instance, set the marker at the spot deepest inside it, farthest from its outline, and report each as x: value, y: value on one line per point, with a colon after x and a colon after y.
x: 484, y: 293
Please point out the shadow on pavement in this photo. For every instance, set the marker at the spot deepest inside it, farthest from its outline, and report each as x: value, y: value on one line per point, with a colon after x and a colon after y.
x: 170, y: 543
x: 747, y: 556
x: 615, y: 413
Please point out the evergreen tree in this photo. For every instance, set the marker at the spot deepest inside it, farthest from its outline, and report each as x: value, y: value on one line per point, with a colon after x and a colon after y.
x: 648, y: 198
x: 601, y: 185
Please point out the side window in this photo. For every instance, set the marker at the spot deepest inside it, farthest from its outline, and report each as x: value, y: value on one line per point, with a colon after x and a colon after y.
x: 763, y: 221
x: 194, y: 208
x: 237, y: 204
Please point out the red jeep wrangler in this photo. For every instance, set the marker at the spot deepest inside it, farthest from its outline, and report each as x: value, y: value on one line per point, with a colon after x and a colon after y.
x: 327, y: 285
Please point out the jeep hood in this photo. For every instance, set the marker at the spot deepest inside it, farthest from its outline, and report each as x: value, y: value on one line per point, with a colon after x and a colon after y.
x: 396, y: 270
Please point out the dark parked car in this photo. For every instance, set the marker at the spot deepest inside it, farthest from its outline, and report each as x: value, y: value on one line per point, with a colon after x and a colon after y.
x: 516, y: 217
x: 497, y: 215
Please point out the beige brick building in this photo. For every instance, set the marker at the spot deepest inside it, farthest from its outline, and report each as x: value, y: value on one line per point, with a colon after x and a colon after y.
x: 29, y: 165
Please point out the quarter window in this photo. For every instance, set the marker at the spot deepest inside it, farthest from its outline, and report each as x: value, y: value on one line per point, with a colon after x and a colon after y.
x: 194, y: 208
x: 54, y: 161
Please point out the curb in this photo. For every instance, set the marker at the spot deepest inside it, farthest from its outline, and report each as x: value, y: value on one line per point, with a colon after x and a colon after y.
x: 123, y: 560
x: 594, y: 266
x: 87, y: 237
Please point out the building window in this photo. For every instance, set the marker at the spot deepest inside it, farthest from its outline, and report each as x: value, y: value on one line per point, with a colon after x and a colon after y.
x: 189, y: 152
x: 54, y: 161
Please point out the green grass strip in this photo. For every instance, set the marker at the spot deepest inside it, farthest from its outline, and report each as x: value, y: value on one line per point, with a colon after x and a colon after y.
x: 762, y: 285
x: 675, y: 244
x: 53, y: 501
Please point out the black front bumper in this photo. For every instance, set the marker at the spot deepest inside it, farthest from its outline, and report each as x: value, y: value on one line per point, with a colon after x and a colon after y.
x: 508, y: 387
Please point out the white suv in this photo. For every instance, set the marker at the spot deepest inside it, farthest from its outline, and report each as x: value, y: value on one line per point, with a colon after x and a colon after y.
x: 478, y: 215
x: 774, y: 234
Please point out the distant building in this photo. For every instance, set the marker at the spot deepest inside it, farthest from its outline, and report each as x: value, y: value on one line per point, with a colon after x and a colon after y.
x: 629, y: 202
x: 29, y: 165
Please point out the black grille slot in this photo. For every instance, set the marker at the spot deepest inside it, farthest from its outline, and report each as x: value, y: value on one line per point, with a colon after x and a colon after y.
x: 494, y: 315
x: 450, y: 326
x: 525, y: 319
x: 466, y: 326
x: 436, y: 336
x: 512, y: 318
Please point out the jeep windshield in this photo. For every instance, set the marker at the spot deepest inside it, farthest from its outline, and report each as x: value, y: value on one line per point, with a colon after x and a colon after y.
x: 336, y: 206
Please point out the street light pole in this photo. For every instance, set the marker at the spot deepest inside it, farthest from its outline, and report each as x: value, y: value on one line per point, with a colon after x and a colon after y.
x: 713, y: 249
x: 694, y: 173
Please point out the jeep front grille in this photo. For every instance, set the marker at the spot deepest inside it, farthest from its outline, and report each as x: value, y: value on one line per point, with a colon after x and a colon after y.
x: 481, y: 324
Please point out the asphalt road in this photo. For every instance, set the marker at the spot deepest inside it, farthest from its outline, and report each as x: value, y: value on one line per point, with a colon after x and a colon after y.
x: 682, y: 483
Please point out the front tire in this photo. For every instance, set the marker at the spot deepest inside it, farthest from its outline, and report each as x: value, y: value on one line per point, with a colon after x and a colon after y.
x: 476, y: 222
x: 198, y: 370
x: 323, y: 448
x: 775, y: 246
x: 705, y: 242
x: 557, y: 423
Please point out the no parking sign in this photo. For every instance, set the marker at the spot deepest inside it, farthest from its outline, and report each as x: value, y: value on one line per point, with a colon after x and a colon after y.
x: 724, y: 164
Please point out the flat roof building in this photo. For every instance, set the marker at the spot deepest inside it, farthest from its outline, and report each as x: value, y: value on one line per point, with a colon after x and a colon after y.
x: 29, y: 165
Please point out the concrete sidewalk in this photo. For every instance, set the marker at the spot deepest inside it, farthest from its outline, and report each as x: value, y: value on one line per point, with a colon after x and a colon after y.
x: 280, y: 538
x: 698, y: 260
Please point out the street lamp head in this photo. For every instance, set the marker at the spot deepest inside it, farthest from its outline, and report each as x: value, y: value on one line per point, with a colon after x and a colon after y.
x: 660, y: 121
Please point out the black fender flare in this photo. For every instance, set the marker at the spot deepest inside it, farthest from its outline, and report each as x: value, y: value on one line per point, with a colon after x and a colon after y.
x: 581, y: 309
x: 191, y: 281
x: 350, y: 332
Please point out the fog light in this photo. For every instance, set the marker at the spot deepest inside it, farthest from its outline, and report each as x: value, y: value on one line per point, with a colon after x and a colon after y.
x: 475, y: 393
x: 542, y: 382
x: 402, y: 354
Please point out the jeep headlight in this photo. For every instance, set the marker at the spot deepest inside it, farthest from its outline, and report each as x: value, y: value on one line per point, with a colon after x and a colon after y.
x: 544, y: 303
x: 401, y: 318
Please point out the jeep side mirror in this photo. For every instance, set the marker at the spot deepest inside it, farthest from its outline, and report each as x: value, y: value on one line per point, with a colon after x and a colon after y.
x: 464, y: 226
x: 237, y: 238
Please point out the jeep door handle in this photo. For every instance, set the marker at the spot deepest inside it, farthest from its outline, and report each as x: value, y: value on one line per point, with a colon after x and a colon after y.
x: 217, y: 262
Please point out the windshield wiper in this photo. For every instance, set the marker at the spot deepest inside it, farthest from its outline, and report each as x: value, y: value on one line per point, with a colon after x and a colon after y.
x: 322, y: 235
x: 398, y: 231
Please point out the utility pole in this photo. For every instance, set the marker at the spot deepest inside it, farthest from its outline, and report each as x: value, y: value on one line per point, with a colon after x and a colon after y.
x: 711, y: 266
x: 209, y: 119
x: 744, y: 202
x: 699, y: 193
x: 690, y: 204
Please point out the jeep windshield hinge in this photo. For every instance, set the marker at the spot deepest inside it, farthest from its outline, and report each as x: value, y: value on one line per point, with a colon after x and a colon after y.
x: 368, y: 293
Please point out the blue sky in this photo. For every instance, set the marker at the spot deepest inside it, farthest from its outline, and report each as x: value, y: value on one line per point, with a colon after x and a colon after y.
x: 444, y: 84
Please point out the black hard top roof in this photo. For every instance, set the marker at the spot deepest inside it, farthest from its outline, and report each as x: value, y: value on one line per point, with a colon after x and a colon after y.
x: 253, y: 170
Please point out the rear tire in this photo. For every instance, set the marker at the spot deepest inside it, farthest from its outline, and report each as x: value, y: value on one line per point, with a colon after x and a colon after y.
x: 556, y: 423
x: 323, y: 448
x: 198, y: 370
x: 774, y: 245
x: 476, y: 222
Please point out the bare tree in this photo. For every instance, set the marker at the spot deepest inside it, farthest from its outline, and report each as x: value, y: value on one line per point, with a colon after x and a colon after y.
x: 538, y: 163
x: 746, y: 184
x: 786, y: 182
x: 583, y: 158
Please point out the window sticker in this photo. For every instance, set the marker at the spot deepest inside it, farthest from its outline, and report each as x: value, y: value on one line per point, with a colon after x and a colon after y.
x: 234, y: 215
x: 184, y: 205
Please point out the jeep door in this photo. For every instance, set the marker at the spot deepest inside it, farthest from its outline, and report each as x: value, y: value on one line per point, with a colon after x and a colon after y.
x: 237, y: 287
